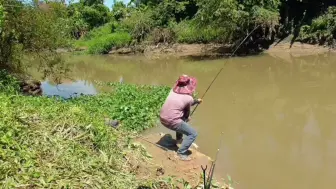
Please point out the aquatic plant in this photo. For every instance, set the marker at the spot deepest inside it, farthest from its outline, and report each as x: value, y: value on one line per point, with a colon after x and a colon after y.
x: 136, y: 106
x: 51, y: 143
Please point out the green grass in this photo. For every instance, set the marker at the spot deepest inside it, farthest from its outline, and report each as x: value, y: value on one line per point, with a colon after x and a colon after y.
x: 187, y: 32
x: 50, y: 143
x: 99, y: 31
x: 103, y: 44
x: 101, y: 40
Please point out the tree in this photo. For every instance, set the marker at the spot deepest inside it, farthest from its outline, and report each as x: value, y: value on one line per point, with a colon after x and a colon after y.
x: 27, y: 29
x: 91, y: 2
x: 238, y: 17
x: 119, y: 10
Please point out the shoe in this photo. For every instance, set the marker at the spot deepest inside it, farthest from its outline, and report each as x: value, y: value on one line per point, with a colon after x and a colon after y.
x: 184, y: 157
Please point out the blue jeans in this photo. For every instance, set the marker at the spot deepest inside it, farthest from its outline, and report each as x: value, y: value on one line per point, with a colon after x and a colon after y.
x: 191, y: 134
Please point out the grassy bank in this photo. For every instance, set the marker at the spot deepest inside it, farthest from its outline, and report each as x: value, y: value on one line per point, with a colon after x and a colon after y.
x: 53, y: 143
x: 149, y: 23
x: 102, y: 39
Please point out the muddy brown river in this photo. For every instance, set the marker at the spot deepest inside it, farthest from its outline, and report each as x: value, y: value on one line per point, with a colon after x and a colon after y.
x: 277, y: 113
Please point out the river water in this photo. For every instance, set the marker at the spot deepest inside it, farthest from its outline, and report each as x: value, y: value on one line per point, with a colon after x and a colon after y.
x: 277, y: 113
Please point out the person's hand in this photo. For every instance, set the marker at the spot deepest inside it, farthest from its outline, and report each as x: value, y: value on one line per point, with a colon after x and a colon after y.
x: 200, y: 100
x: 188, y: 119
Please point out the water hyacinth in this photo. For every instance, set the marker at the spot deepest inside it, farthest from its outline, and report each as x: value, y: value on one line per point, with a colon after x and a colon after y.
x: 51, y: 143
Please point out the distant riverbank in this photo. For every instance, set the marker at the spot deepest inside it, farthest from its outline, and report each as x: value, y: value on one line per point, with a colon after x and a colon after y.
x: 213, y: 50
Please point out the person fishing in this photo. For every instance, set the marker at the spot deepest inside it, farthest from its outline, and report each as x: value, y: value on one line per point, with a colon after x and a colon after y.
x: 175, y: 112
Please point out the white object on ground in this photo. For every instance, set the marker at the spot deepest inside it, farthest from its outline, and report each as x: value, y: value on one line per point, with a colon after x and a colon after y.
x: 195, y: 145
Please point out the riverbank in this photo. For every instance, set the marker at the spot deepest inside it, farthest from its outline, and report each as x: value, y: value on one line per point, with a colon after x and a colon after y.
x: 214, y: 50
x: 298, y: 49
x: 56, y: 143
x: 178, y: 50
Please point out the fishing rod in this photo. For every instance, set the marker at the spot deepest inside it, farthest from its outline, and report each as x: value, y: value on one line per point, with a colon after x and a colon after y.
x: 207, y: 182
x: 155, y: 144
x: 223, y: 68
x: 212, y: 168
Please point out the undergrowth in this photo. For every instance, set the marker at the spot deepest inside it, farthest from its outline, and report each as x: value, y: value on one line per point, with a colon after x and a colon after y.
x: 51, y: 143
x: 188, y: 32
x: 102, y: 39
x: 103, y: 44
x: 322, y: 29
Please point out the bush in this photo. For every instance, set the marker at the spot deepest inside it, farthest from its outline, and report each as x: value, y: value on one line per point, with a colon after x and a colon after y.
x: 139, y: 24
x: 322, y: 30
x: 187, y: 32
x: 34, y: 31
x: 8, y: 83
x: 104, y: 44
x: 101, y: 31
x: 162, y: 35
x: 101, y: 40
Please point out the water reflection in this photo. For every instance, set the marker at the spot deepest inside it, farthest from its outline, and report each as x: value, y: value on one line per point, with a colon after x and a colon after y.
x: 68, y: 90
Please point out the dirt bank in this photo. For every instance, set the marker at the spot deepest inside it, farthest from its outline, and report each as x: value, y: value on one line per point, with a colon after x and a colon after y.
x: 164, y: 161
x: 212, y: 50
x: 177, y: 50
x: 218, y: 50
x: 298, y: 49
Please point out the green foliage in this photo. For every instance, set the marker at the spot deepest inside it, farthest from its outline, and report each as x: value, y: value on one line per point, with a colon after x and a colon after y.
x: 50, y: 143
x: 29, y: 29
x: 152, y: 19
x: 188, y: 32
x: 135, y: 105
x: 162, y: 35
x: 264, y: 16
x: 166, y: 11
x: 95, y: 15
x: 201, y: 21
x: 8, y: 83
x: 101, y: 40
x: 139, y: 23
x: 322, y: 30
x: 119, y: 10
x: 271, y: 5
x: 236, y: 17
x: 2, y: 15
x: 88, y: 14
x: 100, y: 31
x: 91, y: 2
x: 226, y: 14
x: 104, y: 44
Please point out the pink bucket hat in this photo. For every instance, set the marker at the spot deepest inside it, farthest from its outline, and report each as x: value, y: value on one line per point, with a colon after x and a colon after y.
x: 185, y: 85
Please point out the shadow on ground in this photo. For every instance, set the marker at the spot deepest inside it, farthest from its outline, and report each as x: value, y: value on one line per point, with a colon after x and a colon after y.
x: 162, y: 147
x: 167, y: 142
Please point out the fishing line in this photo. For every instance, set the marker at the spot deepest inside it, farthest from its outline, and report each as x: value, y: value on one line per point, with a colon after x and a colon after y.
x: 207, y: 182
x: 223, y: 68
x: 155, y: 144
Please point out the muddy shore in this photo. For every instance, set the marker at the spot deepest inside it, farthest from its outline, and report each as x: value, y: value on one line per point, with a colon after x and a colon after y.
x: 164, y: 162
x: 214, y: 50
